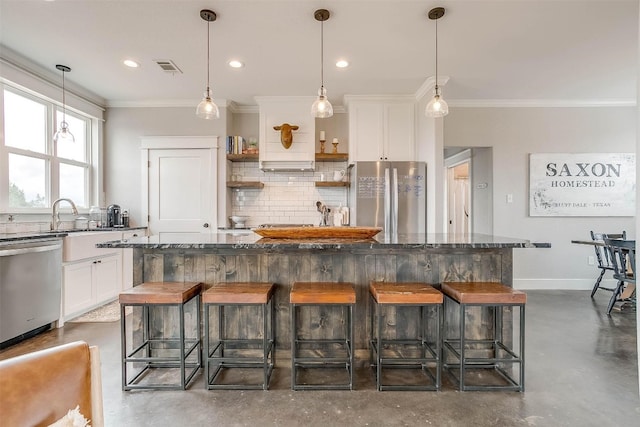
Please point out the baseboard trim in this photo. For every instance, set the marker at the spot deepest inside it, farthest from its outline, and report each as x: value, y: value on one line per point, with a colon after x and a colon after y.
x: 561, y: 284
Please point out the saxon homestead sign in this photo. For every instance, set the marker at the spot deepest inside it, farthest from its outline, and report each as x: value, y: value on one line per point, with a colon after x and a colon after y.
x: 582, y: 184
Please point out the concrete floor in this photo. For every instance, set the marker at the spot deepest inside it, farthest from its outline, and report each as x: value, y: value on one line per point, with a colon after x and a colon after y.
x: 581, y: 370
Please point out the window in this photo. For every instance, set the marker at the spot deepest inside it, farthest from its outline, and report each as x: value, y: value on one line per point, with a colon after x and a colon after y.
x: 38, y: 170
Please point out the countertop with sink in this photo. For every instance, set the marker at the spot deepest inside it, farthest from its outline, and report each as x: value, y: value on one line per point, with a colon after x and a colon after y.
x: 33, y: 235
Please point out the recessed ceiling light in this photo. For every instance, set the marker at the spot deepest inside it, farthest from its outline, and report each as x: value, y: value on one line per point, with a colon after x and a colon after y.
x: 130, y: 63
x: 342, y: 63
x: 235, y: 64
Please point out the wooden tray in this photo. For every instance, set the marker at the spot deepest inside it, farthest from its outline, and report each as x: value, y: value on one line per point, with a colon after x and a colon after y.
x: 318, y: 232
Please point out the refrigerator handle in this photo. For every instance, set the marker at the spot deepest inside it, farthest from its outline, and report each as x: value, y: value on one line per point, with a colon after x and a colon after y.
x: 394, y: 198
x: 387, y: 201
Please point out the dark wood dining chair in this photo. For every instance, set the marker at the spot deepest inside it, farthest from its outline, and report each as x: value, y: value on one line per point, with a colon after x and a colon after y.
x: 603, y: 257
x: 623, y: 259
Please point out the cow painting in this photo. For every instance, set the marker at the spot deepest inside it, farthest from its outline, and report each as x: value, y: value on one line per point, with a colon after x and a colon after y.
x: 286, y: 134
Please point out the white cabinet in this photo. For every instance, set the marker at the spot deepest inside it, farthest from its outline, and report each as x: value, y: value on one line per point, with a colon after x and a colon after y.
x: 381, y: 129
x: 90, y: 275
x: 87, y: 284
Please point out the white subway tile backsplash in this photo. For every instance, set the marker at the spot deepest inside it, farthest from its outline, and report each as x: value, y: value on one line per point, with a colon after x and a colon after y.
x: 288, y: 197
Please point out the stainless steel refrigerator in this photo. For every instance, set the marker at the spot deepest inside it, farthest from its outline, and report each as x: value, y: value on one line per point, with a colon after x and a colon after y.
x: 391, y: 195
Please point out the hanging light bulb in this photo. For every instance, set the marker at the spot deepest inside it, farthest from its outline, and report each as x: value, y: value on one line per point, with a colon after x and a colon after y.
x: 321, y: 107
x: 207, y: 109
x: 63, y: 134
x: 437, y: 107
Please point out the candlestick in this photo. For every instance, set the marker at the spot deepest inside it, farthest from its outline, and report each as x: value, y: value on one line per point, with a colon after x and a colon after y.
x: 335, y: 145
x: 322, y: 146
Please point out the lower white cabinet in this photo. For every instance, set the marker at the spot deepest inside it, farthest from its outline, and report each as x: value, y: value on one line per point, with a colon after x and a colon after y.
x: 89, y: 283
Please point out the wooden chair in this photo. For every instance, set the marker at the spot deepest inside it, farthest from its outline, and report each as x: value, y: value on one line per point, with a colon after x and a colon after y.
x: 603, y: 257
x: 623, y: 259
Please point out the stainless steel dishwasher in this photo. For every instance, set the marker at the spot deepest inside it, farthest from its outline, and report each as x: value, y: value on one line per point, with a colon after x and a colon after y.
x: 30, y: 287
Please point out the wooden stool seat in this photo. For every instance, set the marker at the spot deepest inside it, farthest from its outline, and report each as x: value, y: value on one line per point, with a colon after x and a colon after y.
x: 148, y: 347
x: 405, y: 293
x: 416, y: 345
x: 238, y: 293
x: 322, y: 293
x: 310, y: 351
x: 160, y: 293
x: 494, y: 361
x: 246, y: 342
x: 483, y: 293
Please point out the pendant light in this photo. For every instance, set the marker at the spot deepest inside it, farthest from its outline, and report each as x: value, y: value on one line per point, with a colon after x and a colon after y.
x: 63, y: 134
x: 207, y: 109
x: 321, y: 107
x: 437, y: 107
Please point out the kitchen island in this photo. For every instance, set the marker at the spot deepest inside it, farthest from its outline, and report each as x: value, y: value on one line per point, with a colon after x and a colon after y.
x: 245, y: 256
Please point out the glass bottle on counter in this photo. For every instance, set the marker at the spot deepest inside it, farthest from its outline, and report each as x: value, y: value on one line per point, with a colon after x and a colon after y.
x: 95, y: 215
x: 125, y: 218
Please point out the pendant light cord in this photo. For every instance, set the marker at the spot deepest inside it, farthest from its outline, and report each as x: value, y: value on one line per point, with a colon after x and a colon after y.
x: 437, y: 58
x: 64, y: 103
x: 322, y: 53
x: 208, y: 49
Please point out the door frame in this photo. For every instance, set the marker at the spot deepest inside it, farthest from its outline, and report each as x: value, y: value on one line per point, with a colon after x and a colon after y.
x: 464, y: 156
x: 149, y: 143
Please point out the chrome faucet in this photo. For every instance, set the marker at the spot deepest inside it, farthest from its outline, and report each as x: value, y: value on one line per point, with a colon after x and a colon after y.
x: 55, y: 214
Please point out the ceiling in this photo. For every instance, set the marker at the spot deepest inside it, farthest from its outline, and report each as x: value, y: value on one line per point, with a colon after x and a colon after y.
x: 507, y: 51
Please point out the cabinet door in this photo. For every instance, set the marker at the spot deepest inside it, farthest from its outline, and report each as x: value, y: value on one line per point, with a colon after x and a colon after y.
x: 366, y: 132
x: 107, y: 278
x: 78, y: 287
x: 399, y: 140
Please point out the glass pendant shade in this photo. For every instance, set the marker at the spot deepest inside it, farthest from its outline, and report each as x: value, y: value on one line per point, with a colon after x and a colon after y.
x: 63, y: 135
x: 437, y: 107
x: 207, y: 109
x: 321, y: 107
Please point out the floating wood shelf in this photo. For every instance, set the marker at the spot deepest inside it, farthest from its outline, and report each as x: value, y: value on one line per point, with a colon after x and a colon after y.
x: 242, y: 157
x: 332, y: 157
x: 244, y: 184
x: 331, y: 184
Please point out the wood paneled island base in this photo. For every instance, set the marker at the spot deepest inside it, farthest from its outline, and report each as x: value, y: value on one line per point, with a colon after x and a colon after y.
x: 432, y: 259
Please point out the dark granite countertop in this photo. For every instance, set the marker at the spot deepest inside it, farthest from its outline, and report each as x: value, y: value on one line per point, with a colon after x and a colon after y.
x: 38, y: 235
x: 250, y: 240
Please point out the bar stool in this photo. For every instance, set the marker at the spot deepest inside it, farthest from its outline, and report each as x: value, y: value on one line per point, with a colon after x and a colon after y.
x: 152, y: 344
x: 227, y: 352
x: 310, y: 347
x: 496, y: 352
x: 400, y: 352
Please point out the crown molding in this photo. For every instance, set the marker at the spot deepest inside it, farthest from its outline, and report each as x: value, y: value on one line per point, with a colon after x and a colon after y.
x: 163, y: 103
x: 540, y: 103
x: 428, y: 86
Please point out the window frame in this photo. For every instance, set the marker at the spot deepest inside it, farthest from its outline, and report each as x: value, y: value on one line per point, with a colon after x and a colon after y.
x: 52, y: 161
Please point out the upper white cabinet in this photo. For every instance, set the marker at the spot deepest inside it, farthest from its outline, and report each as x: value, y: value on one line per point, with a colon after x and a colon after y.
x: 381, y: 128
x: 295, y: 111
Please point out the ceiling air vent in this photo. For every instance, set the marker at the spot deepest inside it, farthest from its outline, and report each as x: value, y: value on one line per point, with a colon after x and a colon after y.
x: 168, y: 66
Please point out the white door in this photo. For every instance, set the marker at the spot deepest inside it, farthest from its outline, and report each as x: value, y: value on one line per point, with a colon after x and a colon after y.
x: 458, y: 199
x: 181, y: 191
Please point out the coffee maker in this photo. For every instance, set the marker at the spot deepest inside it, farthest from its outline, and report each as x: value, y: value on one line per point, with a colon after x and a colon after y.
x: 114, y: 216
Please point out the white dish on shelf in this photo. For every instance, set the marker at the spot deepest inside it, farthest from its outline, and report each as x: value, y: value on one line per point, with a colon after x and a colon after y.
x: 238, y: 220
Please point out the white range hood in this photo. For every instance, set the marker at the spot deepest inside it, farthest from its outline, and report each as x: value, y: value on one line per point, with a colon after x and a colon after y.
x: 296, y: 111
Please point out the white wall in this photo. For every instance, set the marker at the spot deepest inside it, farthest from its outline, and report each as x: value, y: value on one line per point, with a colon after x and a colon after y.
x: 123, y: 129
x: 514, y: 133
